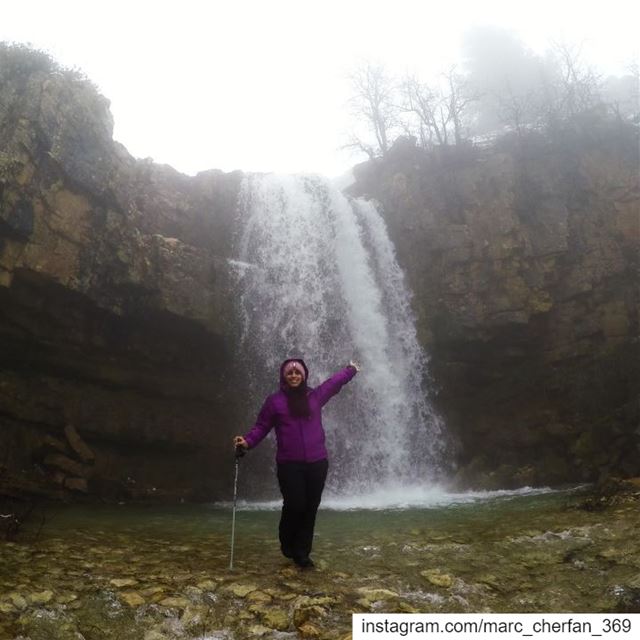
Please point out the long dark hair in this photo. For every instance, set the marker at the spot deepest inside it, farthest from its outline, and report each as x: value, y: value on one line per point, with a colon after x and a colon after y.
x: 297, y: 399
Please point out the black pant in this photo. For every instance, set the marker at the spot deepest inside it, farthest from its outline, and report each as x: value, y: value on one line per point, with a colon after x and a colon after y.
x: 301, y: 484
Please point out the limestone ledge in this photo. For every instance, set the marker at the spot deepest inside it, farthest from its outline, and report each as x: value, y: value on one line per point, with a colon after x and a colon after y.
x: 116, y: 300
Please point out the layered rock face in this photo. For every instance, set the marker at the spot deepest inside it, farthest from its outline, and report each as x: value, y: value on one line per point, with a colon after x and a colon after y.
x: 524, y: 263
x: 115, y: 302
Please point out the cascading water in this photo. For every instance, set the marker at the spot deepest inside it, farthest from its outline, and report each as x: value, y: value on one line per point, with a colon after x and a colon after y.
x: 319, y: 280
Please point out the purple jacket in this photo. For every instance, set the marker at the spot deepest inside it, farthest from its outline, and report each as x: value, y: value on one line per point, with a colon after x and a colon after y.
x: 299, y: 439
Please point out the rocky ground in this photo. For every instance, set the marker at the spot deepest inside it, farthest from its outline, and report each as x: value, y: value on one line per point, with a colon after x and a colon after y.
x: 566, y: 554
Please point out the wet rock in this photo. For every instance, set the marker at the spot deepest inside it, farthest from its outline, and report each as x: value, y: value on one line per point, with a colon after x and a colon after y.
x: 38, y: 625
x: 259, y: 597
x: 66, y: 464
x: 66, y: 598
x: 123, y: 582
x: 259, y: 630
x: 193, y: 617
x: 302, y: 615
x: 635, y: 581
x: 40, y: 598
x: 132, y: 598
x: 320, y: 601
x: 154, y: 634
x: 437, y: 578
x: 18, y: 601
x: 240, y: 590
x: 76, y: 484
x: 193, y: 593
x: 628, y: 599
x: 289, y: 572
x: 181, y: 577
x: 274, y: 618
x: 286, y: 597
x: 149, y: 592
x: 612, y: 553
x: 80, y: 447
x: 491, y: 581
x: 176, y: 602
x: 372, y: 595
x: 51, y: 442
x: 230, y: 619
x: 207, y: 585
x: 308, y: 630
x: 6, y: 607
x: 364, y: 604
x: 295, y: 585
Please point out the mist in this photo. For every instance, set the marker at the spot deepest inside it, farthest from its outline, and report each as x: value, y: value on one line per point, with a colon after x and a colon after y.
x: 266, y: 88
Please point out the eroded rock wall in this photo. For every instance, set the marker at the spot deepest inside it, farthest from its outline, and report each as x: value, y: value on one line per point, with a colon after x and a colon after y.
x: 524, y: 263
x: 116, y: 307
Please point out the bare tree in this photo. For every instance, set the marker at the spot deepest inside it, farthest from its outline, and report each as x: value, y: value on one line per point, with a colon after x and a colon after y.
x: 459, y: 98
x: 570, y: 87
x: 634, y: 71
x: 425, y: 105
x: 622, y: 94
x: 517, y: 110
x: 579, y: 82
x: 373, y: 103
x: 441, y: 113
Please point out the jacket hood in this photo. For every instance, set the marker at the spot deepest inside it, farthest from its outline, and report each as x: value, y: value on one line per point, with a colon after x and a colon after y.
x: 283, y: 382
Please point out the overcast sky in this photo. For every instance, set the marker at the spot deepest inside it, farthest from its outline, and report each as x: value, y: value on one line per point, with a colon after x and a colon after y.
x: 261, y: 85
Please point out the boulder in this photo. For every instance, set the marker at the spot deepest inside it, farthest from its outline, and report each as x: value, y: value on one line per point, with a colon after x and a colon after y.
x: 77, y: 484
x: 79, y: 446
x: 66, y: 464
x: 131, y: 598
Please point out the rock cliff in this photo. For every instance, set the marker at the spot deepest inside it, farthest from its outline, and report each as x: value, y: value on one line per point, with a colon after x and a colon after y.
x: 115, y: 300
x: 524, y: 262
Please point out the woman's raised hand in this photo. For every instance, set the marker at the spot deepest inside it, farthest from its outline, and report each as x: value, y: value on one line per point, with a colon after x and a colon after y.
x: 355, y: 365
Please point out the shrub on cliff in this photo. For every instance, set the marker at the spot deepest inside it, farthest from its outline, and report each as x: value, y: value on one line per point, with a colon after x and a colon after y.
x: 18, y: 62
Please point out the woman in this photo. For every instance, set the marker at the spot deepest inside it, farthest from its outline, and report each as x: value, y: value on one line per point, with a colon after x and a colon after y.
x: 295, y: 413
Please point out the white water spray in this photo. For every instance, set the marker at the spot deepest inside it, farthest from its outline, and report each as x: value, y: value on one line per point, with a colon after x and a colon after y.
x: 323, y: 284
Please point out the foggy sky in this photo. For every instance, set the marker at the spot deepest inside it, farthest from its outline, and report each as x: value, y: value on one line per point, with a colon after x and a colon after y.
x: 262, y: 86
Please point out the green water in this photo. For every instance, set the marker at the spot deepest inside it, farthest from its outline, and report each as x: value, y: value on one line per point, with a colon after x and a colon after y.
x: 153, y: 573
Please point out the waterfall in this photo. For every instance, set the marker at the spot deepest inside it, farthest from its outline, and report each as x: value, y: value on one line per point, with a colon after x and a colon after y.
x: 319, y: 280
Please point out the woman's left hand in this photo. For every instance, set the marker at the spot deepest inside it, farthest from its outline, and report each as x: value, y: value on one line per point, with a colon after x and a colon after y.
x: 355, y: 365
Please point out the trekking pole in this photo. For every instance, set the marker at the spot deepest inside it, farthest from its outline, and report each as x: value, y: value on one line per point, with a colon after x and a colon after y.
x: 238, y: 454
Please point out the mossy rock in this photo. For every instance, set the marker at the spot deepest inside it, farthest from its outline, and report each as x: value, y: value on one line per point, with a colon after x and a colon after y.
x: 437, y: 578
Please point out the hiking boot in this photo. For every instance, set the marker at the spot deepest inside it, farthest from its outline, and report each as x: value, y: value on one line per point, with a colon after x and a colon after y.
x: 304, y: 562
